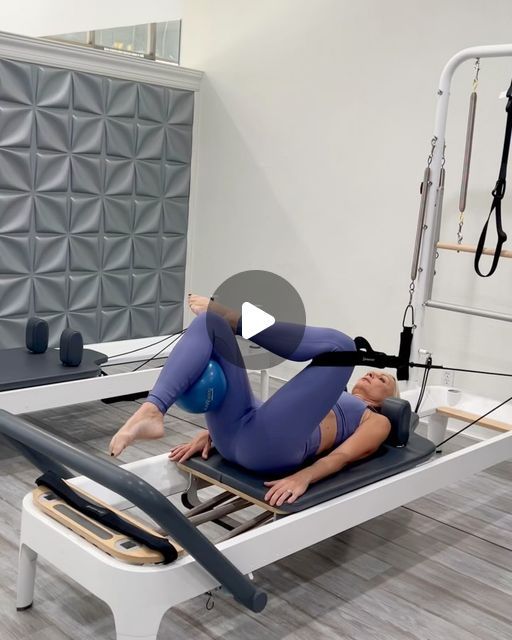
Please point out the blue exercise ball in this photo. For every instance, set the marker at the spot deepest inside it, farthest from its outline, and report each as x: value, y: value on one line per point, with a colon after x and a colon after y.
x: 208, y: 391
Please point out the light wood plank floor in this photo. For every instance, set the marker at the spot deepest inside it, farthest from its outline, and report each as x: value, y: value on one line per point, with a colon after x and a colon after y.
x: 438, y: 569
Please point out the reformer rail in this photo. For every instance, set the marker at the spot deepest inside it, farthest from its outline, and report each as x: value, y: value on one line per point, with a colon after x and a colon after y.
x: 425, y: 252
x: 51, y: 454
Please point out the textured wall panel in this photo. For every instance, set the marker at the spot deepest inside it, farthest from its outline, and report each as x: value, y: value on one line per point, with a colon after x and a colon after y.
x: 94, y: 187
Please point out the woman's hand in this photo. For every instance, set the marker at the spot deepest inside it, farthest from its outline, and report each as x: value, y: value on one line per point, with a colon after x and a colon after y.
x: 287, y: 489
x: 200, y: 444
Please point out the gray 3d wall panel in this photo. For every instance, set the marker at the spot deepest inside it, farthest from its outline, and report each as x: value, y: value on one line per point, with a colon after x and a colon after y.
x: 94, y: 188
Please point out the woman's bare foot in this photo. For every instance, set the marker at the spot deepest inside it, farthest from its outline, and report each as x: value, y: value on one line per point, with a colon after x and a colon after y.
x: 147, y: 423
x: 201, y: 304
x: 198, y: 304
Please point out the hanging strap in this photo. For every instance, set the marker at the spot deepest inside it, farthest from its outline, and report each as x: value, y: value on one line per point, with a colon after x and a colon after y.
x: 105, y: 516
x: 497, y: 193
x: 404, y: 354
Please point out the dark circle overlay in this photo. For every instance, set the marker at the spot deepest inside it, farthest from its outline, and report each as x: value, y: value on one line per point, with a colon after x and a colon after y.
x: 272, y: 294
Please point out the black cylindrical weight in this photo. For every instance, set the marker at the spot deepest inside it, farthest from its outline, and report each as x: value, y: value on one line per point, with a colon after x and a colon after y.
x: 36, y: 335
x: 71, y: 347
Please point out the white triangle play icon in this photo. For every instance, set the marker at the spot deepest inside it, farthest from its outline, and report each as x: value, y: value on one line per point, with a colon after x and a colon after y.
x: 254, y: 320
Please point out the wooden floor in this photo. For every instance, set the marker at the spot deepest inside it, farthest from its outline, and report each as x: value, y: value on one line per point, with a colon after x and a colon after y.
x: 439, y: 568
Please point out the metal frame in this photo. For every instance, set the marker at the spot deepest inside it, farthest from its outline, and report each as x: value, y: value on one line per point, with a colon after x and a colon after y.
x: 426, y: 264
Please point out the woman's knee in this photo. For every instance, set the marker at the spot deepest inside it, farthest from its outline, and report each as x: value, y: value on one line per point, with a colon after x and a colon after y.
x: 217, y: 323
x: 212, y: 321
x: 339, y: 341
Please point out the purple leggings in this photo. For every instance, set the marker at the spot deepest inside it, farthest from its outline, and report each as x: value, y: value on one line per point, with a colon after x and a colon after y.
x: 271, y: 437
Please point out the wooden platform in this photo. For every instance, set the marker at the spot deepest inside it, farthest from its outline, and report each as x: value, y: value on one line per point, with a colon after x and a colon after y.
x: 99, y: 535
x: 467, y: 416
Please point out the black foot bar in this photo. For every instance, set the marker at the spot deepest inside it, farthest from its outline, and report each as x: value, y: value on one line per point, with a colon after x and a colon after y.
x: 49, y: 453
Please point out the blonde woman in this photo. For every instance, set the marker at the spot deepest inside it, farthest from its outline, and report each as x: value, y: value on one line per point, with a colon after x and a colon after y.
x: 311, y: 415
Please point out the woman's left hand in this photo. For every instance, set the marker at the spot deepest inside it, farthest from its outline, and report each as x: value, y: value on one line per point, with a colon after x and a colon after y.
x: 287, y: 489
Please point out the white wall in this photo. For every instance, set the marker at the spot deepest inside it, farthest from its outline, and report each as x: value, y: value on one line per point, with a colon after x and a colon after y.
x: 315, y: 125
x: 51, y: 17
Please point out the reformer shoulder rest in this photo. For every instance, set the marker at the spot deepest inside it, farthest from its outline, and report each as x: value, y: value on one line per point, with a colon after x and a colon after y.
x: 403, y: 450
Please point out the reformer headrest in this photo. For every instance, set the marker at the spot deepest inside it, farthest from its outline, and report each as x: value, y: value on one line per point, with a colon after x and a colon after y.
x: 402, y: 419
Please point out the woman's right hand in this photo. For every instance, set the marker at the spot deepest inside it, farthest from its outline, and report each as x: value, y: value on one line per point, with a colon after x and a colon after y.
x: 200, y: 444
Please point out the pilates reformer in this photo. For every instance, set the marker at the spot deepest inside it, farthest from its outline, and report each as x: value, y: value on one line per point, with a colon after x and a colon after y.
x: 74, y: 388
x: 140, y: 595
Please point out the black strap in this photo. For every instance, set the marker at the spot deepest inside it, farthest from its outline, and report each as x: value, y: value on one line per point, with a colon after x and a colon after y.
x: 363, y: 355
x: 107, y: 517
x: 497, y: 194
x: 404, y: 353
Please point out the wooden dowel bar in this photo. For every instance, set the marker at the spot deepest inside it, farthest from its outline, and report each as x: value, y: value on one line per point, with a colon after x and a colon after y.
x: 466, y: 416
x: 468, y: 248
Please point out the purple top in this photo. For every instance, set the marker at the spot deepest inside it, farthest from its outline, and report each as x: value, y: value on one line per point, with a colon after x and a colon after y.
x: 348, y: 410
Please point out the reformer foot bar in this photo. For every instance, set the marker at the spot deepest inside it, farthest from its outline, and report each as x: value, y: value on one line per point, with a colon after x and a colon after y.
x: 51, y: 454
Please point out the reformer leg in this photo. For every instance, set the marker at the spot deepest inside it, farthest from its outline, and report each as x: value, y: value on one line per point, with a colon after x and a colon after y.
x: 27, y: 563
x: 437, y: 427
x: 137, y: 622
x: 190, y: 498
x: 264, y: 384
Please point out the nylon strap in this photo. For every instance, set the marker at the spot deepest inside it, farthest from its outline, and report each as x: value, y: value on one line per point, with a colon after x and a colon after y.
x: 498, y: 194
x: 105, y: 516
x: 404, y: 353
x: 363, y: 355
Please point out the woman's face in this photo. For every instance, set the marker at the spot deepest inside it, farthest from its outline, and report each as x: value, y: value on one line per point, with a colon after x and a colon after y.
x: 375, y: 387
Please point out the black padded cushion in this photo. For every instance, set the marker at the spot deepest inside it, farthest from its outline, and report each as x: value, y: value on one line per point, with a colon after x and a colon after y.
x: 36, y: 335
x: 387, y: 461
x: 71, y: 347
x: 403, y: 421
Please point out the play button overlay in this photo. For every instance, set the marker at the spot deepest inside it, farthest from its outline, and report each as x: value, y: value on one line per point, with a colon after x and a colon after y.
x: 254, y: 320
x: 273, y: 318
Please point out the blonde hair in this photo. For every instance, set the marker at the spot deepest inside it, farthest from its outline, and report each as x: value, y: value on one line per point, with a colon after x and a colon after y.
x: 396, y: 389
